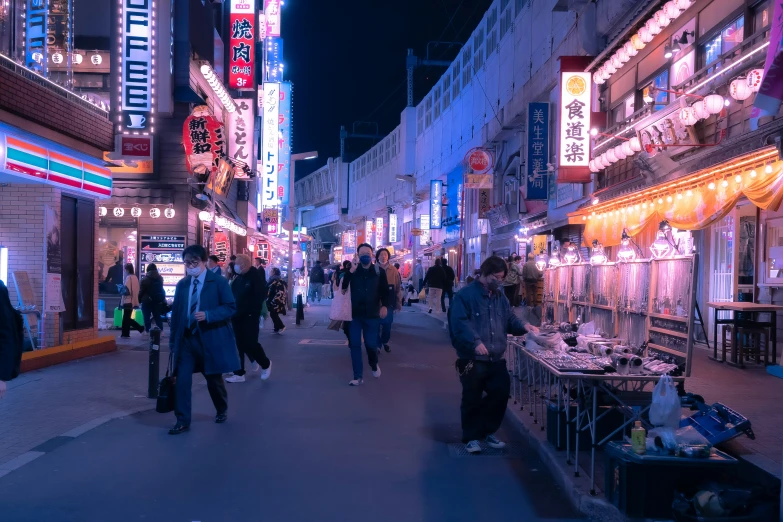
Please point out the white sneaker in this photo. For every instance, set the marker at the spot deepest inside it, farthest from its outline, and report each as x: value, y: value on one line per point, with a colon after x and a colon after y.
x: 265, y: 373
x: 281, y: 330
x: 356, y: 382
x: 473, y: 447
x: 494, y: 443
x: 377, y: 372
x: 256, y: 367
x: 236, y: 378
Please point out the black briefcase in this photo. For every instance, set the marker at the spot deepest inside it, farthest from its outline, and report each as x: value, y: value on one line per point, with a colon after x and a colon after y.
x: 166, y: 395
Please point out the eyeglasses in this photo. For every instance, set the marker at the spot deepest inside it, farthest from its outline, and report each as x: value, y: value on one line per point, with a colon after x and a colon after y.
x: 192, y: 263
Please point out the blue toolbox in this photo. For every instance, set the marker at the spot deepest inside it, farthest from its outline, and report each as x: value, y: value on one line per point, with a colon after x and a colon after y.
x: 718, y: 423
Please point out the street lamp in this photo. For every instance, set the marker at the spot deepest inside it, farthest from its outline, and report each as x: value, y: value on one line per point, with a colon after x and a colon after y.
x: 409, y: 178
x: 291, y: 204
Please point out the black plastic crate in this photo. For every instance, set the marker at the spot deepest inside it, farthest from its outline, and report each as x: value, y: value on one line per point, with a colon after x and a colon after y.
x: 644, y: 486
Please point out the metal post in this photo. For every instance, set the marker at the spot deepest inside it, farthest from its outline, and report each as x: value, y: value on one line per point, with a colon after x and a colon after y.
x: 299, y: 309
x: 154, y: 372
x: 291, y: 201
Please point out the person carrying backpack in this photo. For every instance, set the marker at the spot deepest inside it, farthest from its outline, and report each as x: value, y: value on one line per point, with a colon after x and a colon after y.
x: 11, y: 340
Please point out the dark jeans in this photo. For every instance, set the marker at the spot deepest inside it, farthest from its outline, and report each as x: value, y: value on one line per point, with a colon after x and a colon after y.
x: 151, y: 312
x: 386, y: 325
x: 483, y: 414
x: 190, y: 360
x: 276, y: 320
x: 127, y: 320
x: 246, y: 333
x: 449, y: 290
x: 511, y: 294
x: 369, y: 328
x: 316, y: 290
x: 347, y: 330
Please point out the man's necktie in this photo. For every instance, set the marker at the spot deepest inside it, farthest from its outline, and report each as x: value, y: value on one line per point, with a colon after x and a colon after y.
x: 194, y: 305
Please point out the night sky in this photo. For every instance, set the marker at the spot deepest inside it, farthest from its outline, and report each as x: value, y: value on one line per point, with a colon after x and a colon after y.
x: 347, y: 61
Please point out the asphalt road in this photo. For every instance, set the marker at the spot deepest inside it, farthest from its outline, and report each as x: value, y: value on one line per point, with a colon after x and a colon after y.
x: 303, y: 446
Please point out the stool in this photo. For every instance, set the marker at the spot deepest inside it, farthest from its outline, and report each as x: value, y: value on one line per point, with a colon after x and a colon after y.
x: 755, y: 345
x: 727, y: 329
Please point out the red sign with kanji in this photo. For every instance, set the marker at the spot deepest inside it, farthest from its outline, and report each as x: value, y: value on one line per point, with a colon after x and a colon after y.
x: 241, y: 54
x: 202, y: 136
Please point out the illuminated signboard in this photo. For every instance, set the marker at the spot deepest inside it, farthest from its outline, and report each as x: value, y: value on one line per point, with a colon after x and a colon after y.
x: 273, y: 63
x: 424, y: 221
x: 284, y: 162
x: 393, y: 228
x: 35, y: 35
x: 349, y: 242
x: 137, y: 48
x: 537, y: 151
x: 378, y: 232
x: 436, y: 201
x: 270, y: 144
x: 242, y: 43
x: 272, y: 17
x: 368, y: 235
x: 574, y: 136
x: 240, y: 134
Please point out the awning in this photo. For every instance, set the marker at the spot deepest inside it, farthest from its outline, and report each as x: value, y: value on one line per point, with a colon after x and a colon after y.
x: 150, y: 196
x: 692, y: 202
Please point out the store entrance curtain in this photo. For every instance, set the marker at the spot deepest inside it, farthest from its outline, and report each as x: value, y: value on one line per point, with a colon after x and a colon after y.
x: 699, y: 210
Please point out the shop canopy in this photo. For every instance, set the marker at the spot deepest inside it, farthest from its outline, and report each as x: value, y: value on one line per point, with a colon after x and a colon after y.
x: 27, y: 158
x: 692, y: 202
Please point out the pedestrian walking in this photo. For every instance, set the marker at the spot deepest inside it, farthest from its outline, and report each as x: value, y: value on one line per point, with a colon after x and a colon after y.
x: 531, y: 275
x: 213, y: 264
x: 201, y: 336
x: 448, y: 289
x: 418, y: 276
x: 436, y: 279
x: 316, y: 282
x: 394, y: 282
x: 129, y: 301
x: 512, y: 281
x: 248, y: 291
x: 11, y: 340
x: 260, y: 264
x: 231, y: 271
x: 152, y: 297
x: 369, y: 294
x: 328, y: 275
x: 478, y: 323
x: 277, y: 300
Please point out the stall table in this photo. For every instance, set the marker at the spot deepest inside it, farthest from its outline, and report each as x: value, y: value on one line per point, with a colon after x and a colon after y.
x: 749, y: 308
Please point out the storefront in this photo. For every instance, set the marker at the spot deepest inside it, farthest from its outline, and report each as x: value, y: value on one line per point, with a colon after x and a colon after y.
x: 48, y: 225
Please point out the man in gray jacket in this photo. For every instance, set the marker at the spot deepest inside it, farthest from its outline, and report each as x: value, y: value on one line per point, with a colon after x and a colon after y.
x: 478, y: 323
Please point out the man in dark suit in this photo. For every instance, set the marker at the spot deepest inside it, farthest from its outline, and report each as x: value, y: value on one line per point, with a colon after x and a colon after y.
x: 248, y: 293
x: 201, y: 336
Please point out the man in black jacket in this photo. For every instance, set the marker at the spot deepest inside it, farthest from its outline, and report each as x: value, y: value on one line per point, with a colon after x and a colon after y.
x: 451, y: 277
x: 152, y: 297
x: 260, y: 264
x: 369, y: 298
x: 248, y: 291
x: 436, y: 279
x: 11, y: 339
x: 317, y: 280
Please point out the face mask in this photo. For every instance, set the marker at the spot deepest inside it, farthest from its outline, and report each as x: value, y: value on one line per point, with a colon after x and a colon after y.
x: 194, y: 272
x: 493, y: 285
x: 365, y: 259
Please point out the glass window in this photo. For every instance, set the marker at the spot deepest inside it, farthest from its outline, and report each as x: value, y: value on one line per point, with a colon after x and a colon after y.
x: 774, y: 250
x: 731, y: 36
x: 624, y: 111
x: 761, y: 16
x: 77, y: 234
x: 661, y: 98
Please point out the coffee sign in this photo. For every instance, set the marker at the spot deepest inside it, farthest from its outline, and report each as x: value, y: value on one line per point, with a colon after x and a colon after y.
x: 135, y: 82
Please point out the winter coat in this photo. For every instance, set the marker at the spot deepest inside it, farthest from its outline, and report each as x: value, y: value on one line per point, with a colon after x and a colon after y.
x: 531, y: 273
x: 132, y: 282
x: 216, y: 333
x: 317, y: 274
x: 436, y: 277
x: 11, y: 337
x: 277, y: 300
x: 248, y: 293
x: 369, y: 291
x: 514, y: 274
x: 394, y: 281
x: 151, y: 289
x: 450, y: 277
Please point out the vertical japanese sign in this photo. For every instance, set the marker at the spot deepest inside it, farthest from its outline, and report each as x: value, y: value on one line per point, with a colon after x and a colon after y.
x: 270, y: 144
x: 436, y: 204
x: 537, y: 151
x: 424, y: 238
x: 378, y: 232
x: 273, y: 62
x: 137, y: 49
x: 240, y: 134
x: 368, y: 232
x: 35, y: 35
x: 575, y: 111
x: 284, y: 148
x: 349, y: 243
x: 484, y: 202
x: 393, y: 238
x: 272, y: 17
x: 242, y: 43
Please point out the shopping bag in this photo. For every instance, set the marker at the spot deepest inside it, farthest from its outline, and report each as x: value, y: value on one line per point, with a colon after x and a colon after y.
x: 422, y: 294
x: 335, y: 325
x: 340, y: 309
x: 665, y: 410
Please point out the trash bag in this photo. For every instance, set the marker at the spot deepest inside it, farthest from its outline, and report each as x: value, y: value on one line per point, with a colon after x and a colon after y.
x: 665, y: 409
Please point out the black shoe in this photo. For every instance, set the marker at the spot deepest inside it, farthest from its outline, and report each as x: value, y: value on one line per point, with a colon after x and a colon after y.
x: 178, y: 428
x: 141, y: 329
x: 220, y: 418
x: 387, y: 348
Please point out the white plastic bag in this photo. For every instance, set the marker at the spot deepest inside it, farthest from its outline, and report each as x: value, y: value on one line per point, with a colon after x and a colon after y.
x: 340, y: 309
x: 665, y: 409
x: 587, y: 329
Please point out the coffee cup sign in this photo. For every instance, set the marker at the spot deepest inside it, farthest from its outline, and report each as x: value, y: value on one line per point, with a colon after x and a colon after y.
x: 479, y: 160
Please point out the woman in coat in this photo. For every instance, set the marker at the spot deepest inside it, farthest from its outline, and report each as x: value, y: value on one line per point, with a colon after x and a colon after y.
x: 152, y: 297
x: 339, y: 276
x: 277, y: 299
x: 130, y: 301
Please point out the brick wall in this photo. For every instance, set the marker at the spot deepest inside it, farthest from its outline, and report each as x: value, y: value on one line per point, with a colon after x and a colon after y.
x: 22, y: 231
x: 47, y: 107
